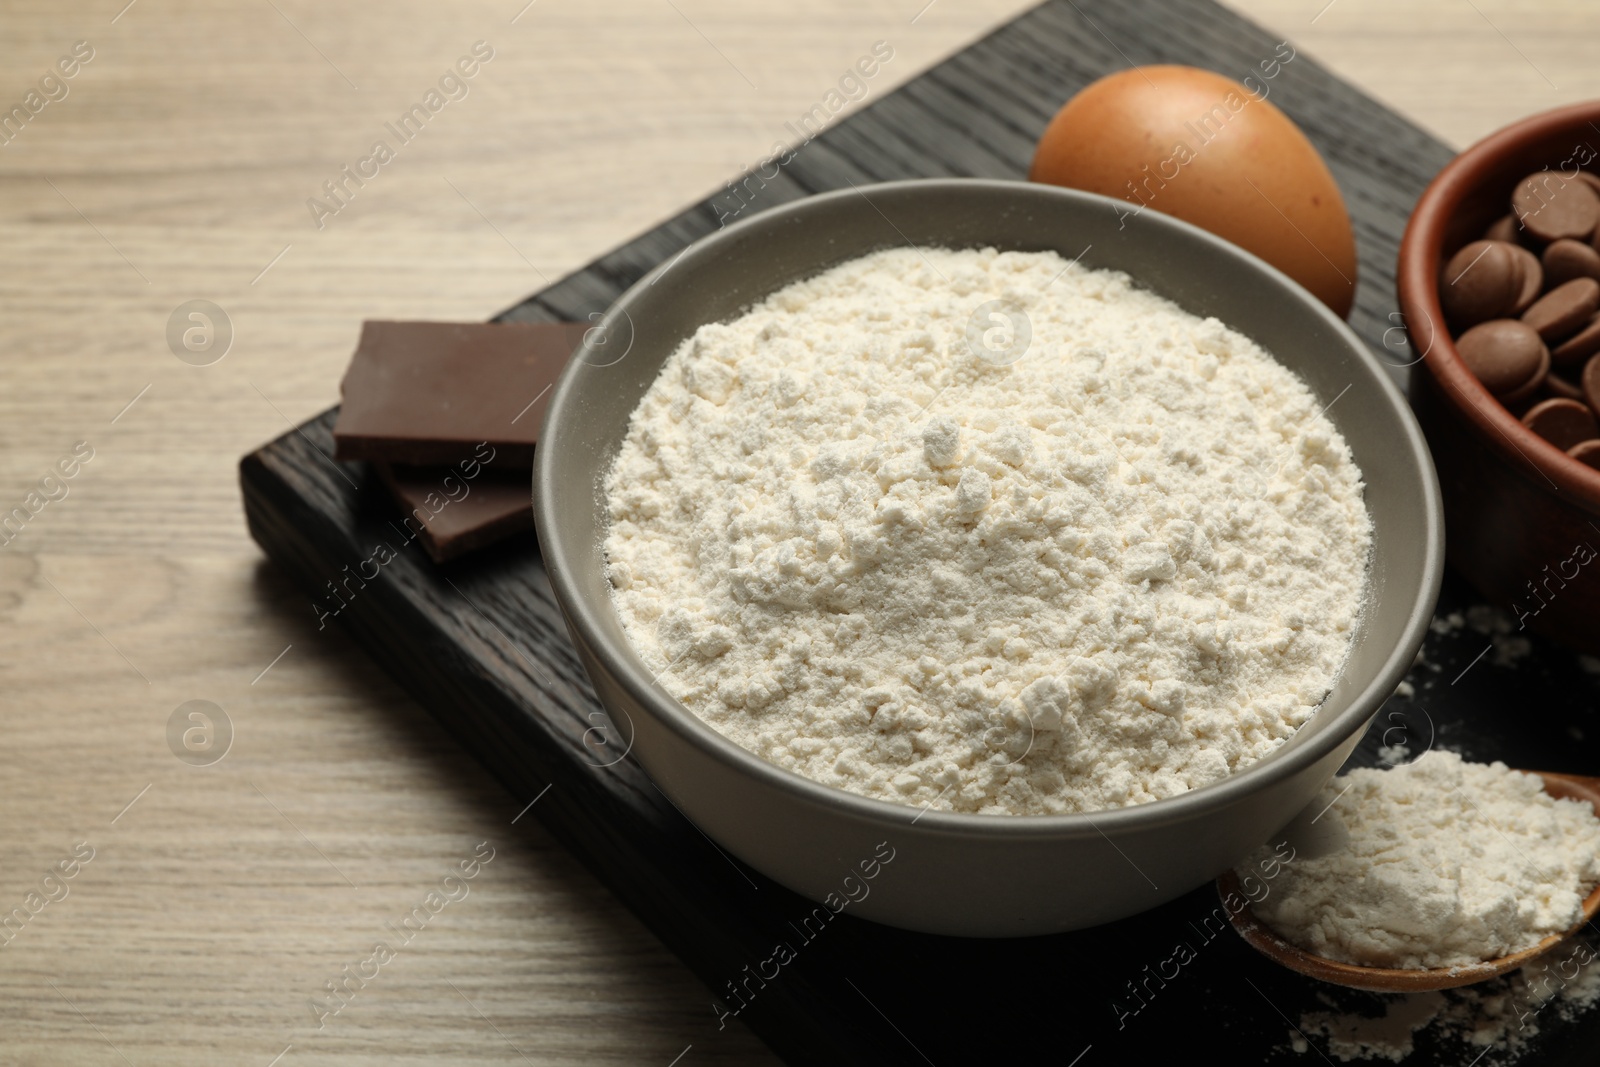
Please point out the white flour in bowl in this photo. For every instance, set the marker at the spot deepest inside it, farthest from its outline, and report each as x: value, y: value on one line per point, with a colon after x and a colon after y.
x: 914, y: 567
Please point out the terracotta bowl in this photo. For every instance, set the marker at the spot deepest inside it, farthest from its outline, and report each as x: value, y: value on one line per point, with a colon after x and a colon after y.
x: 1522, y: 518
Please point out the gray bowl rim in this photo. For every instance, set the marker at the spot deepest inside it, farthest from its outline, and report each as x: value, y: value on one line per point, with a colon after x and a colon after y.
x: 1276, y: 767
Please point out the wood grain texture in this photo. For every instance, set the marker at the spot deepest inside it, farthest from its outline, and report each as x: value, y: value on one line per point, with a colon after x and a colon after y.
x: 481, y: 644
x: 1459, y: 70
x: 178, y: 168
x: 190, y: 144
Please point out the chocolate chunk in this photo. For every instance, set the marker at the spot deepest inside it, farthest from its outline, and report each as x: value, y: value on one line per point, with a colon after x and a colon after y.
x: 1563, y: 423
x: 429, y: 392
x: 1567, y: 259
x: 1504, y: 228
x: 1533, y: 279
x: 1551, y: 206
x: 1507, y: 356
x: 1586, y: 452
x: 1590, y: 383
x: 1482, y: 281
x: 452, y: 514
x: 1579, y: 347
x: 1564, y: 309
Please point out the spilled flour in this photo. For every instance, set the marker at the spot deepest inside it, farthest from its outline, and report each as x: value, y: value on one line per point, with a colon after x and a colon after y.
x: 1490, y: 1024
x: 1115, y: 569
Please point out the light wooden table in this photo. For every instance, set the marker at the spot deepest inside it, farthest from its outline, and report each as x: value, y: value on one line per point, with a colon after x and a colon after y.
x: 220, y: 899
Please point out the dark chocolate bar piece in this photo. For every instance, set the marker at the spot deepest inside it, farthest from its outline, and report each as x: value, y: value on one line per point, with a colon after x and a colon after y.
x: 455, y: 510
x: 427, y: 393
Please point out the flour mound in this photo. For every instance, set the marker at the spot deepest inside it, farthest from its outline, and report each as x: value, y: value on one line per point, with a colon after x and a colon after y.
x: 1447, y: 863
x: 1116, y: 569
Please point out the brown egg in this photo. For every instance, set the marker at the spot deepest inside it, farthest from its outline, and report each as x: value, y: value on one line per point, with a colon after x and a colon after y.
x: 1199, y: 146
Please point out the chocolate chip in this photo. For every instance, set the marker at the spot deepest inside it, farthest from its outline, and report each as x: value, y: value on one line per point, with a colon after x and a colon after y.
x: 1586, y: 452
x: 1484, y: 280
x: 1590, y: 382
x: 1556, y: 385
x: 1552, y: 207
x: 1533, y: 279
x: 1563, y: 423
x: 1564, y: 309
x: 1567, y: 259
x: 1503, y: 228
x: 1520, y: 396
x: 1579, y: 347
x: 1508, y: 357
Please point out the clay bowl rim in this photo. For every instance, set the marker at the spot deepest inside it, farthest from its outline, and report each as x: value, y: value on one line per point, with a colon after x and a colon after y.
x: 1266, y: 941
x: 1421, y: 256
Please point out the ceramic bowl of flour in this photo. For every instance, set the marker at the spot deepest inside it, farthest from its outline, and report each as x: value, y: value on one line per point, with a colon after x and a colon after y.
x: 958, y: 872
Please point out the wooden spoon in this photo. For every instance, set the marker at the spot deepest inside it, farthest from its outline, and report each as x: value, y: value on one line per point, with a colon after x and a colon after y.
x: 1393, y: 980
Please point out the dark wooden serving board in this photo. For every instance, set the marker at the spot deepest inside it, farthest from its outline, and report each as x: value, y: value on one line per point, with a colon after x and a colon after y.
x: 481, y: 644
